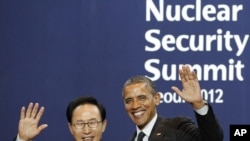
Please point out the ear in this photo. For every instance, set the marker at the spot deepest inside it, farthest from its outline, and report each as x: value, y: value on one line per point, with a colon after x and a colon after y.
x: 157, y: 98
x: 104, y: 124
x: 70, y: 128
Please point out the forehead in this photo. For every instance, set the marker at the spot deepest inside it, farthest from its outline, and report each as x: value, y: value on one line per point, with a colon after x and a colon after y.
x: 86, y: 112
x: 136, y: 89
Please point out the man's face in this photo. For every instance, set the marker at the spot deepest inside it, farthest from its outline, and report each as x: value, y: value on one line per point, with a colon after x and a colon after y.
x: 140, y: 104
x: 84, y: 114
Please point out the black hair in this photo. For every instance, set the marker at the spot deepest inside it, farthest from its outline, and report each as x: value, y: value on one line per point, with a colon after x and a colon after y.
x: 81, y: 100
x: 141, y: 79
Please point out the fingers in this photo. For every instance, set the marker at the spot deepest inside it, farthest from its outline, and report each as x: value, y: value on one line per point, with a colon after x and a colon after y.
x: 32, y: 111
x: 29, y: 110
x: 186, y: 74
x: 22, y: 115
x: 194, y: 75
x: 40, y: 113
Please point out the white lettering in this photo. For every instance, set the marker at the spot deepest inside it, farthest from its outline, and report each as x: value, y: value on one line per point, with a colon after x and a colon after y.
x: 208, y: 12
x: 232, y: 71
x: 196, y: 43
x: 240, y: 132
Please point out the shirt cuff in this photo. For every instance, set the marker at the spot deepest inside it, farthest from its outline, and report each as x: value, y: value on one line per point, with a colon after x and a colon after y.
x: 202, y: 111
x: 18, y: 138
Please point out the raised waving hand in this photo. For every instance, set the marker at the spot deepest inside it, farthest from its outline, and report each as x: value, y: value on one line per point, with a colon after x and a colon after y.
x: 191, y: 91
x: 28, y: 127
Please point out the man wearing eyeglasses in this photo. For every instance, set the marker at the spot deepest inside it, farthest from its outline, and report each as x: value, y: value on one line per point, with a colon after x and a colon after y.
x: 86, y: 120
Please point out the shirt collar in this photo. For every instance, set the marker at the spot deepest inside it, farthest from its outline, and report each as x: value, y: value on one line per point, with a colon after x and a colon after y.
x: 148, y: 128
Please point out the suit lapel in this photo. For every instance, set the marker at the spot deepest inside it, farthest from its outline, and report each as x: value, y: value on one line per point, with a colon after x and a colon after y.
x: 133, y: 137
x: 161, y: 131
x: 157, y: 131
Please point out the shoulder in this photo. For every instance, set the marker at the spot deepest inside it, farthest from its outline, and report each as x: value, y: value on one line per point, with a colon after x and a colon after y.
x: 168, y: 127
x: 174, y: 122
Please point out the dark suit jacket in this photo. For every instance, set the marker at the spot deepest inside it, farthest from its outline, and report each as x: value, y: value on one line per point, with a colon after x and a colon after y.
x: 184, y: 129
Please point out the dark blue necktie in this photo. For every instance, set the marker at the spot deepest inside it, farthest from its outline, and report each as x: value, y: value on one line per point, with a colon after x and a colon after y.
x: 140, y: 136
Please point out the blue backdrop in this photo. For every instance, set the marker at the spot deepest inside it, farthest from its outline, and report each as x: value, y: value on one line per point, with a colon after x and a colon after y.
x: 53, y: 51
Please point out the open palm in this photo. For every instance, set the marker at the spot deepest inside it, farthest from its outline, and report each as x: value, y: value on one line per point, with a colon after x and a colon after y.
x: 28, y: 127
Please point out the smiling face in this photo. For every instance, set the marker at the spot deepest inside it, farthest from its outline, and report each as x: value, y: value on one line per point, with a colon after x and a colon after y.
x: 85, y: 113
x: 140, y: 103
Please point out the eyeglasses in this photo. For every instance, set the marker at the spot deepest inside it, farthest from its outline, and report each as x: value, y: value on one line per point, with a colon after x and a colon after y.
x: 91, y: 124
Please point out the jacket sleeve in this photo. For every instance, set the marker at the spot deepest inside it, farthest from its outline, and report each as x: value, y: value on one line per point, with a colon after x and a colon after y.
x: 209, y: 127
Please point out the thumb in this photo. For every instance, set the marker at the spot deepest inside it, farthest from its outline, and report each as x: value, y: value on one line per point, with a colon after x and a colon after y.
x: 42, y: 127
x: 177, y: 90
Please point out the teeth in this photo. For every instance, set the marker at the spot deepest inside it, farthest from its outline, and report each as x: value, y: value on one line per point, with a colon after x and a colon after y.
x: 138, y: 113
x: 87, y: 139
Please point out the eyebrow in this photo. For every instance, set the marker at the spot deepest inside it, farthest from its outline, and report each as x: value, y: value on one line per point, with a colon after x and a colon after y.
x: 86, y: 120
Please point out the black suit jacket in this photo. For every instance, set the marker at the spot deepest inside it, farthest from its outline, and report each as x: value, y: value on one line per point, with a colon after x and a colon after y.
x: 184, y: 129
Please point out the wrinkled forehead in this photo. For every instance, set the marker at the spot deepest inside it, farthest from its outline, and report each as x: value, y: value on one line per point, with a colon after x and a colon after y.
x: 86, y: 112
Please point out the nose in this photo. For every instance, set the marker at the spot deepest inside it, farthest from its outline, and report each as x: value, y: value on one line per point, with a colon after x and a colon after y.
x: 136, y: 104
x: 86, y: 130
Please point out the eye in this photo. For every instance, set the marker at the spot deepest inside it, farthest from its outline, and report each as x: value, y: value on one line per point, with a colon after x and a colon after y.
x: 92, y: 122
x: 128, y: 100
x: 142, y: 97
x: 80, y: 123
